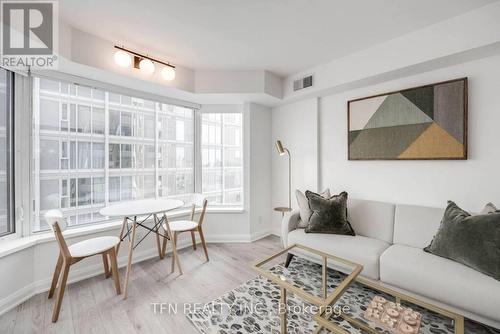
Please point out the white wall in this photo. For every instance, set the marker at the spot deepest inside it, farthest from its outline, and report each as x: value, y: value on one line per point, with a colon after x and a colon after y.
x: 470, y: 183
x: 99, y: 53
x: 260, y: 169
x: 234, y: 82
x: 296, y: 125
x: 470, y: 33
x: 89, y: 56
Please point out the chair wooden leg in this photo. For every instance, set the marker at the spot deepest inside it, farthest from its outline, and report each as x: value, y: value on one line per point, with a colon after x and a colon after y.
x: 175, y: 257
x: 114, y: 270
x: 107, y: 272
x: 202, y: 237
x: 55, y: 277
x: 174, y: 251
x: 129, y: 263
x: 164, y: 246
x: 193, y: 239
x: 60, y: 293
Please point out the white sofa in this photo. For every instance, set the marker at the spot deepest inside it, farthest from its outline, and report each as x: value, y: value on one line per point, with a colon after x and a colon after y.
x: 389, y: 244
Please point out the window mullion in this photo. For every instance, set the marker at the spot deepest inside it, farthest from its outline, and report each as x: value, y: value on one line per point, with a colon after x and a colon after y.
x: 36, y: 148
x: 222, y: 154
x: 197, y: 153
x: 106, y: 148
x: 157, y: 184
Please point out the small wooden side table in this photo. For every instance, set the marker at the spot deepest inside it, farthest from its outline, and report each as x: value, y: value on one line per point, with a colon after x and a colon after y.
x: 282, y: 209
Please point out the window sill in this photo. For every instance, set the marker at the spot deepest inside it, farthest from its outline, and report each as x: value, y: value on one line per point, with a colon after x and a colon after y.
x: 226, y: 209
x: 9, y: 246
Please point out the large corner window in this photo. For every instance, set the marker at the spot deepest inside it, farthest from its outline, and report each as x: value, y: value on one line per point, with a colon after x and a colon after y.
x: 93, y: 147
x: 222, y: 158
x: 7, y: 224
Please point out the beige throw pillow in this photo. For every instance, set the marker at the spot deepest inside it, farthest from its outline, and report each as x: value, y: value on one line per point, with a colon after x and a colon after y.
x: 303, y: 203
x: 488, y: 208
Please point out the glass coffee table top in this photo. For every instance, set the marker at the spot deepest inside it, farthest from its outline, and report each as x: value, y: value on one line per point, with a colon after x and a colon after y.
x: 308, y: 276
x: 372, y: 308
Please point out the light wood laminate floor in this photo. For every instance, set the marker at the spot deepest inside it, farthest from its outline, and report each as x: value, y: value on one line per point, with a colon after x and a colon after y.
x: 92, y: 306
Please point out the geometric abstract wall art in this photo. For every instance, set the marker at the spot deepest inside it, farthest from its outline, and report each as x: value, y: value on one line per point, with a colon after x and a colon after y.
x: 421, y: 123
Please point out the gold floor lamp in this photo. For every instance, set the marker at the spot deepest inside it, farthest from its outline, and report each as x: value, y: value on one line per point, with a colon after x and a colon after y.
x: 282, y: 151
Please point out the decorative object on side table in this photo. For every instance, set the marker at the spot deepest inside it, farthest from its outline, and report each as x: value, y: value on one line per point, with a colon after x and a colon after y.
x: 422, y: 123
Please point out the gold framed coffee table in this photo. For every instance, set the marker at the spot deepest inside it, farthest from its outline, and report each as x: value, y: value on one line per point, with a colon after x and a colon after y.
x: 432, y: 317
x: 325, y: 291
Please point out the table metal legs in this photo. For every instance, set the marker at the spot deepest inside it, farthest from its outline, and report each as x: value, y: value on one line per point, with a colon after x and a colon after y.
x: 283, y: 311
x: 125, y: 232
x: 283, y: 306
x: 459, y: 325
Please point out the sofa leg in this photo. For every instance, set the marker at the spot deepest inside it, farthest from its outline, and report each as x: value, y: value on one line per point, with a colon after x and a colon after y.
x: 289, y: 258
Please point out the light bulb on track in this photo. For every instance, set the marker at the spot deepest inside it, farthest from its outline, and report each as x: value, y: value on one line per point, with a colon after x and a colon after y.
x: 146, y: 66
x: 123, y: 58
x: 168, y: 73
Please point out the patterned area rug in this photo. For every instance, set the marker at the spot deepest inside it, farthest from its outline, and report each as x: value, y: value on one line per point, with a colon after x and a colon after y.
x: 253, y: 307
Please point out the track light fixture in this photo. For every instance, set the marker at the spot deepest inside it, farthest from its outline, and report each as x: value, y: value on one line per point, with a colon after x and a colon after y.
x: 125, y: 57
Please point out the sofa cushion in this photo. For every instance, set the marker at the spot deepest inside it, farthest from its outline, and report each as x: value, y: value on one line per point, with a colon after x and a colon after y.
x: 416, y: 225
x: 329, y: 215
x: 303, y: 203
x: 358, y: 249
x: 470, y: 240
x: 371, y: 219
x: 434, y: 277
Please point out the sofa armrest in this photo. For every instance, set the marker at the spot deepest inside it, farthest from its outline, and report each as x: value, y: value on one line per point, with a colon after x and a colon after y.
x: 289, y: 223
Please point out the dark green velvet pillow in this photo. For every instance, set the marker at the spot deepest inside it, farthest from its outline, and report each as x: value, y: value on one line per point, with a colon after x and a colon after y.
x: 329, y: 215
x: 470, y: 240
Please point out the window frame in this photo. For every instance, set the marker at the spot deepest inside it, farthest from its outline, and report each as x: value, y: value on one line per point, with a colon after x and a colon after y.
x: 24, y: 146
x: 223, y: 109
x: 156, y: 112
x: 12, y: 226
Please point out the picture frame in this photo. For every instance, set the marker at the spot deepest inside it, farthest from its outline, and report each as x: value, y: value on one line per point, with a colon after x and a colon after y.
x: 427, y: 122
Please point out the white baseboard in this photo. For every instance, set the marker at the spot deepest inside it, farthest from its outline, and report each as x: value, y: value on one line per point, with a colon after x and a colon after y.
x: 40, y: 286
x: 259, y: 235
x: 16, y: 298
x: 26, y: 292
x: 228, y: 238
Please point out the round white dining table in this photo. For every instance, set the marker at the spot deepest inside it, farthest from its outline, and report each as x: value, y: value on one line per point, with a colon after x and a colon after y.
x: 137, y: 213
x: 141, y: 207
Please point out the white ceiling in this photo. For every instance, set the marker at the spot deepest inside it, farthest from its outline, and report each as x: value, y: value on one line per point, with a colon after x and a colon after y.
x: 283, y: 36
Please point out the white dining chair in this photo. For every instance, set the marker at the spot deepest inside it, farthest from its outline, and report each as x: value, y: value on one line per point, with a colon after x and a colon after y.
x: 176, y: 227
x: 69, y: 255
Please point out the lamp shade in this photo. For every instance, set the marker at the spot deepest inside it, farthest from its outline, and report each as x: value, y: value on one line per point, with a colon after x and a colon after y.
x: 146, y: 66
x: 168, y: 73
x: 279, y: 147
x: 122, y: 58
